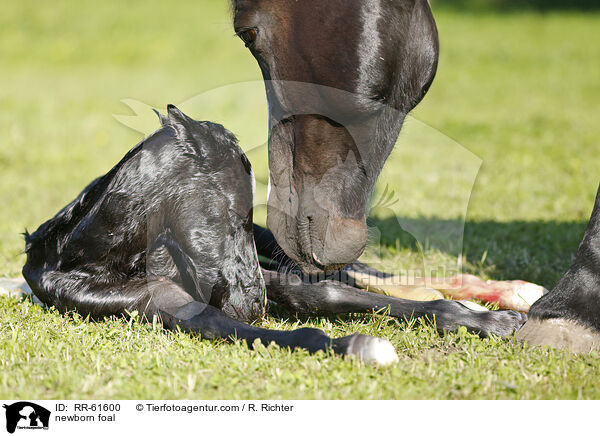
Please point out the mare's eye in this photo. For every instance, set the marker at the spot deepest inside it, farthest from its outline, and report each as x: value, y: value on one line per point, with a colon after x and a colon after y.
x: 248, y: 36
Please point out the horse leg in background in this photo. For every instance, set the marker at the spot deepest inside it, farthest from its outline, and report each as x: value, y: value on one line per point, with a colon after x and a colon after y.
x: 569, y: 315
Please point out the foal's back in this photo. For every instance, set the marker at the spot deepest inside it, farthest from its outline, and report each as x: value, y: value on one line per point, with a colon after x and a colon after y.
x: 111, y: 239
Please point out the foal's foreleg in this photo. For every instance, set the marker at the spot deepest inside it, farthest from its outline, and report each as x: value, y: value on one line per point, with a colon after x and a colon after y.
x: 178, y: 310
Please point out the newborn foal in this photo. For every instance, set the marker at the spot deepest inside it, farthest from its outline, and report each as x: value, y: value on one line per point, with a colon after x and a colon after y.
x: 168, y: 232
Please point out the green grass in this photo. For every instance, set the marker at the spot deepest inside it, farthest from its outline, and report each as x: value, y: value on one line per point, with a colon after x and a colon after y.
x: 517, y: 90
x: 59, y: 357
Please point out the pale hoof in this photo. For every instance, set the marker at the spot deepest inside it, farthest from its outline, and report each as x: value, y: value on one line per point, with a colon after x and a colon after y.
x: 372, y: 350
x: 559, y: 333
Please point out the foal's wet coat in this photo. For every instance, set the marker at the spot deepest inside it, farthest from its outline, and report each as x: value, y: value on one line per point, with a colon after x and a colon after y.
x: 168, y: 233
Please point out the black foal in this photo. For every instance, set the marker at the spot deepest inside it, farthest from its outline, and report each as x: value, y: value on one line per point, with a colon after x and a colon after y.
x: 168, y: 232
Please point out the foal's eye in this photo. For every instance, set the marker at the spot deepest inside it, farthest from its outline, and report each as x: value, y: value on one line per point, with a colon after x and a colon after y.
x: 248, y: 36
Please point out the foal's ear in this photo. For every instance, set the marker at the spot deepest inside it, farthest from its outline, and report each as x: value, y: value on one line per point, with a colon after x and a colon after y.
x: 164, y: 121
x: 175, y: 115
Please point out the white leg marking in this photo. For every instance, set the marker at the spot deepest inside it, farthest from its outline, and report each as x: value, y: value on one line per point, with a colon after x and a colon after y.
x: 560, y: 333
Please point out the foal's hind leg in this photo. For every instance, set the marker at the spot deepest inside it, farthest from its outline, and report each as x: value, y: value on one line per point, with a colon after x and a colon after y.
x: 177, y: 309
x: 331, y: 297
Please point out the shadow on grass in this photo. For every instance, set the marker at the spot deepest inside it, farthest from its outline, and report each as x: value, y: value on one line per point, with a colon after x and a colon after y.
x: 517, y: 5
x: 536, y: 251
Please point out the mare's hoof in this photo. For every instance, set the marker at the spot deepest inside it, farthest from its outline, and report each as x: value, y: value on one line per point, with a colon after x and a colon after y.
x: 560, y: 333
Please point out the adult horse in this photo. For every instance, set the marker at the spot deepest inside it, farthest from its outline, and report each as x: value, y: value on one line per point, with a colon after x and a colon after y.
x: 340, y: 78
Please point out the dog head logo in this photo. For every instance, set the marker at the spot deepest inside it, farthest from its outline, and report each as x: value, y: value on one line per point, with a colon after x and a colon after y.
x: 25, y: 415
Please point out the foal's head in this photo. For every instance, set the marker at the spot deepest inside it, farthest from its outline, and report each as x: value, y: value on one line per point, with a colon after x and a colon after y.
x: 340, y: 77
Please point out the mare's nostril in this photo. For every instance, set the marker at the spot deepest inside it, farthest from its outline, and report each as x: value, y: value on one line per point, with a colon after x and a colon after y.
x: 345, y: 240
x: 330, y: 242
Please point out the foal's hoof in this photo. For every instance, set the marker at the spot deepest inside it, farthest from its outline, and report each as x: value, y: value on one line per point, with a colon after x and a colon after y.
x: 502, y: 323
x: 368, y: 349
x: 560, y: 333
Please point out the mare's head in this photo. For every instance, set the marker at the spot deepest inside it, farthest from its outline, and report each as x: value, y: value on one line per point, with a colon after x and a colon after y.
x: 340, y: 77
